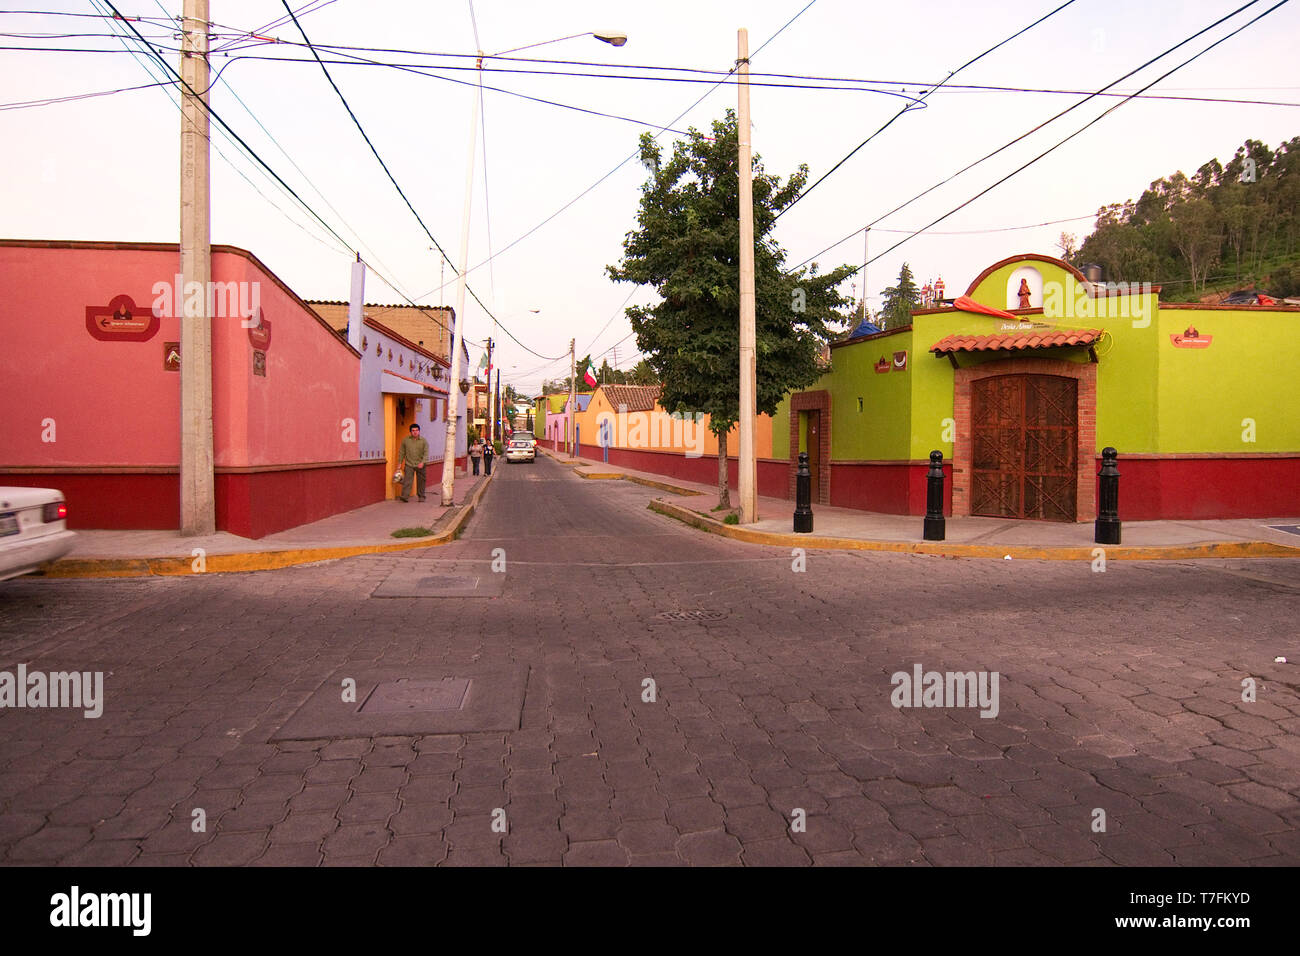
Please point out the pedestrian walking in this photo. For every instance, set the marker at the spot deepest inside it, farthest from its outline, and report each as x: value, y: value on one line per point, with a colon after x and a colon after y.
x: 476, y: 453
x: 487, y: 458
x: 410, y: 462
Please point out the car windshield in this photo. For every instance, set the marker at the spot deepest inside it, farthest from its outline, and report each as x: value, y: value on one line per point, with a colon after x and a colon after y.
x: 523, y: 435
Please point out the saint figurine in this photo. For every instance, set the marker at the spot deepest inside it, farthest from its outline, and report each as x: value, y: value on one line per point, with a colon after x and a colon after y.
x: 1024, y: 293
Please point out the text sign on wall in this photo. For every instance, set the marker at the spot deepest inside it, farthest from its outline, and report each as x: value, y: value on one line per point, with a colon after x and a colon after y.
x: 121, y: 321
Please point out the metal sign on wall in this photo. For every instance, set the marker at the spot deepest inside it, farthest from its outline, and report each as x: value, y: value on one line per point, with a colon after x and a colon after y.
x: 121, y: 321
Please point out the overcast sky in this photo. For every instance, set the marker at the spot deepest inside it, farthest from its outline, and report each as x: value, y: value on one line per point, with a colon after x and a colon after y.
x: 106, y: 168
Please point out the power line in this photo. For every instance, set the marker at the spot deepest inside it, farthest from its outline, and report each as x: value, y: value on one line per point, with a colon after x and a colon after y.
x: 630, y: 156
x: 905, y: 109
x: 1093, y: 121
x: 396, y: 185
x: 1029, y: 133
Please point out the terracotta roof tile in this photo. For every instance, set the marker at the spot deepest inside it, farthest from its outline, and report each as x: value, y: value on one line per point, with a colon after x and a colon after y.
x: 637, y: 398
x: 1016, y: 341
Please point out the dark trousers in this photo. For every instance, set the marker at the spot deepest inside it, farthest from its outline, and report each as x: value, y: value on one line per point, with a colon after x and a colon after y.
x: 475, y: 461
x: 487, y: 464
x: 409, y: 474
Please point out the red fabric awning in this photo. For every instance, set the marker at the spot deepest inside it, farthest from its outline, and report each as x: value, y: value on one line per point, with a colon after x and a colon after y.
x: 1017, y: 341
x: 967, y: 304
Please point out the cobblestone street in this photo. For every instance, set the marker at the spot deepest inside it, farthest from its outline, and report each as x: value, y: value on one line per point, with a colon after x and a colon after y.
x: 1119, y: 691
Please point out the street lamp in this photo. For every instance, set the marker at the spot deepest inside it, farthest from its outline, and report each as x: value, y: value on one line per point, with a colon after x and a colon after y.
x: 449, y: 449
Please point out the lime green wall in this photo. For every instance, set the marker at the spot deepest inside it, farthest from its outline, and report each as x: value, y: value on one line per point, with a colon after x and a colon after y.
x: 781, y: 430
x: 539, y: 418
x: 1152, y: 398
x: 1250, y: 370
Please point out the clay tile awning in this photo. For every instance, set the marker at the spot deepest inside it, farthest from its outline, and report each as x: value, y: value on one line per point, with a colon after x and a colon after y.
x: 1017, y: 341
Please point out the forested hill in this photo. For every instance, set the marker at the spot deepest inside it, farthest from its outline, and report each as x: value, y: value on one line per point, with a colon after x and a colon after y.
x: 1225, y: 227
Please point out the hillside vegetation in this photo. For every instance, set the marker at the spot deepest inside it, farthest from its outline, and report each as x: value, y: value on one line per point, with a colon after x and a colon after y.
x: 1225, y: 227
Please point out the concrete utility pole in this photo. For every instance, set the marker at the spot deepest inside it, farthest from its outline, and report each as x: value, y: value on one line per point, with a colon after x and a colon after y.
x: 866, y: 236
x: 453, y: 392
x: 573, y: 393
x: 491, y: 415
x: 197, y: 484
x: 747, y: 481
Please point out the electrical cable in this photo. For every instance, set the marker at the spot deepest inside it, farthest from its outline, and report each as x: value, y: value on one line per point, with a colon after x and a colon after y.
x: 1028, y: 133
x: 905, y: 109
x: 1090, y: 123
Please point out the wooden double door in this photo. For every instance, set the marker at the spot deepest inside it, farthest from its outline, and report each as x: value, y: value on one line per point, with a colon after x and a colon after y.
x: 1024, y: 443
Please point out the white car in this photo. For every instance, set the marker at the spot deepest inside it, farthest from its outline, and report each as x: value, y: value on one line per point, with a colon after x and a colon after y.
x: 520, y: 449
x: 33, y: 529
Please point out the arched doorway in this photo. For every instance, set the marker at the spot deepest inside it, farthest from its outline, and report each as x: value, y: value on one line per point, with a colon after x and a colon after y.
x: 1024, y: 431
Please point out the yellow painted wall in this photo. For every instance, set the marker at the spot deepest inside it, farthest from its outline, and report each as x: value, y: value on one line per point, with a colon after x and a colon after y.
x: 657, y: 431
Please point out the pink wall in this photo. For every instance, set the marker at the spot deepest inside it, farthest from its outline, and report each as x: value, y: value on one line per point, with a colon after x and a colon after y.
x: 115, y: 408
x: 113, y: 403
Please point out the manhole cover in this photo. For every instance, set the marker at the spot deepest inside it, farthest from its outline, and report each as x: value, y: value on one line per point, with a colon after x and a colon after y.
x: 412, y: 581
x: 696, y: 615
x: 416, y: 696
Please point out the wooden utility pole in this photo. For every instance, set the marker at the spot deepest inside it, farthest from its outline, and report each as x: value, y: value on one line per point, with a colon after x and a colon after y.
x: 197, y: 484
x: 573, y: 394
x: 747, y: 480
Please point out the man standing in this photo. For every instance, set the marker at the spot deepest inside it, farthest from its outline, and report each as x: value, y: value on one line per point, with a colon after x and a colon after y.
x: 410, y: 458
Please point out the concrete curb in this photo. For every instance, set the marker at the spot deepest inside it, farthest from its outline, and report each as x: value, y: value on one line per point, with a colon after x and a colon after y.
x: 255, y: 560
x: 1224, y: 549
x: 661, y: 485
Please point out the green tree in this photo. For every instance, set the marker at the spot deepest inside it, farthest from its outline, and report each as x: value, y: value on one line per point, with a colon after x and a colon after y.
x: 687, y: 247
x: 900, y: 300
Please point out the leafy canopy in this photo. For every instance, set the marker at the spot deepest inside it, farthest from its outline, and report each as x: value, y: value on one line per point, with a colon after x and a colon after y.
x: 687, y: 247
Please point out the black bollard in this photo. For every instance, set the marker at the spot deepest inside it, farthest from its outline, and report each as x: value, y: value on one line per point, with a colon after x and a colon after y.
x: 803, y: 516
x: 1107, y: 526
x: 934, y: 523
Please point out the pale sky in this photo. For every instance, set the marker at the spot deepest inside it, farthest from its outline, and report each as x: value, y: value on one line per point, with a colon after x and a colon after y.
x: 106, y: 168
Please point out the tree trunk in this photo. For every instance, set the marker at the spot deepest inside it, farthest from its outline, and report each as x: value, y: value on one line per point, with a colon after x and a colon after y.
x: 724, y: 494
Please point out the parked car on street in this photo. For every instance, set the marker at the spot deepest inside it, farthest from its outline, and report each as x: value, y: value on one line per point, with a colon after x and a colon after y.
x: 33, y: 529
x: 520, y: 449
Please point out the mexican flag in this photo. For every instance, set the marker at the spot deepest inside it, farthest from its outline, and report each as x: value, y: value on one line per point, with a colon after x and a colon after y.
x: 589, y: 376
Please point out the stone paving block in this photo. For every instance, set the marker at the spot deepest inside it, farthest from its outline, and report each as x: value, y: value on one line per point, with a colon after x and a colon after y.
x: 709, y: 848
x: 596, y: 853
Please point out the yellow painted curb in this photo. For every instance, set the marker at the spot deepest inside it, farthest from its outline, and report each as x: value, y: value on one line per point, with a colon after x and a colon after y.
x: 661, y: 485
x: 1177, y: 552
x: 253, y: 560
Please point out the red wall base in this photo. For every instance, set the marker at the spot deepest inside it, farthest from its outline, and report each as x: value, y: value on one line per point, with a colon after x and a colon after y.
x: 149, y: 502
x: 773, y: 476
x: 256, y: 504
x: 251, y: 505
x: 892, y: 489
x: 1207, y: 488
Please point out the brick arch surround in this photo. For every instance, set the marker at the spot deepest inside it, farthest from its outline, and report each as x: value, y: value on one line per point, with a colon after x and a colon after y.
x: 812, y: 401
x: 1083, y: 373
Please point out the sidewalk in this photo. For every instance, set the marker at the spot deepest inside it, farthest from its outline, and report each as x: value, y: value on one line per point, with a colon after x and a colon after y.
x: 367, y: 530
x: 847, y: 528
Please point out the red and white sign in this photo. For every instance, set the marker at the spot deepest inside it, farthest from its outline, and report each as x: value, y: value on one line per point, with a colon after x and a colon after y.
x: 900, y: 361
x: 121, y: 321
x: 259, y: 335
x: 1191, y: 339
x: 883, y: 364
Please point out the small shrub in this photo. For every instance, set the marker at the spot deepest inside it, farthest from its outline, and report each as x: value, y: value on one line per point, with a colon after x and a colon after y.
x: 412, y: 532
x: 732, y: 518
